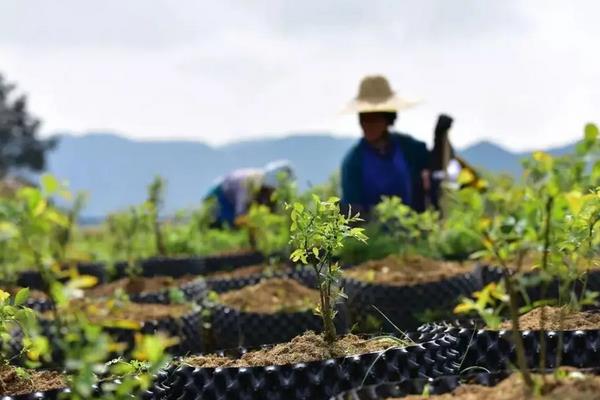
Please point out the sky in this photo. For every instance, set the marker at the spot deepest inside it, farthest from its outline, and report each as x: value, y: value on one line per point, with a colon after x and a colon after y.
x: 525, y: 74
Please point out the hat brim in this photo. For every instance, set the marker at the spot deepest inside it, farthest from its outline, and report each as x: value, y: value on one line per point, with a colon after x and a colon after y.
x: 393, y: 104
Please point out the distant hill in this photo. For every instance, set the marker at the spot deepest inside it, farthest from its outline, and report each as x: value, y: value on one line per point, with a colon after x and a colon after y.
x: 495, y: 158
x: 115, y: 170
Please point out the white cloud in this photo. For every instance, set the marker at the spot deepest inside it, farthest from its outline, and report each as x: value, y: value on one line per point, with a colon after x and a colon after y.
x: 521, y: 73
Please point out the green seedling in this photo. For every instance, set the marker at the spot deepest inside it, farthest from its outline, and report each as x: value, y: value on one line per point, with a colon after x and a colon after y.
x: 317, y: 231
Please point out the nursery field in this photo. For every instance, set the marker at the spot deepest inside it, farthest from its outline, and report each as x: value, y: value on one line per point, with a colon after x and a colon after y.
x: 494, y: 296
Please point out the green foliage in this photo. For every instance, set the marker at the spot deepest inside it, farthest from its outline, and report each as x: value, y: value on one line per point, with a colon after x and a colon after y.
x: 488, y: 304
x: 269, y: 230
x: 317, y: 231
x: 30, y: 225
x: 14, y: 315
x: 458, y: 237
x: 413, y: 232
x: 154, y: 204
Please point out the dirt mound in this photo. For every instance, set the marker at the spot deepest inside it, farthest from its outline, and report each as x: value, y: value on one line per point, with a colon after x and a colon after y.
x: 305, y: 348
x: 572, y: 321
x: 399, y: 271
x: 103, y: 312
x: 238, y: 272
x: 139, y: 285
x: 15, y: 384
x: 272, y: 296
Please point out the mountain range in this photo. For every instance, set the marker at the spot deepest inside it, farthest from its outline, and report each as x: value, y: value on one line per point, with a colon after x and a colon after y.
x: 115, y: 170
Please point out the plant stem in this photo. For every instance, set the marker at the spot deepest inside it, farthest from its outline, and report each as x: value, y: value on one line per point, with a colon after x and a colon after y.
x: 158, y: 237
x: 329, y: 326
x: 517, y: 339
x: 329, y: 330
x: 561, y: 322
x: 547, y: 229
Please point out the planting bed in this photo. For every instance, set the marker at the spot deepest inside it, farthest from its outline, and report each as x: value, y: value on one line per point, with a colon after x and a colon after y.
x: 494, y: 350
x: 124, y: 319
x: 302, y: 369
x: 177, y: 267
x: 404, y: 288
x: 272, y: 311
x: 238, y: 278
x: 33, y: 279
x: 156, y: 289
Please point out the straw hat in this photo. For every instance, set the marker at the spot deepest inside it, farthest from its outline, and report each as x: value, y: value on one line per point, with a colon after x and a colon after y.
x: 376, y: 95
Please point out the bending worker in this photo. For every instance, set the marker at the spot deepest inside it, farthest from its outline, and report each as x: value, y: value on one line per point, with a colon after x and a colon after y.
x: 237, y: 191
x: 383, y: 162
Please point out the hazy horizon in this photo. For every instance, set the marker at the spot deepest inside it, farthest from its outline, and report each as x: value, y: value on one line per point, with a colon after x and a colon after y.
x: 297, y: 134
x: 521, y: 74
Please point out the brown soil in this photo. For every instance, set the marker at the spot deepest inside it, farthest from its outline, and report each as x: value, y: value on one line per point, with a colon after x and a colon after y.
x: 11, y: 384
x: 231, y: 253
x: 113, y: 311
x: 139, y: 285
x: 572, y: 321
x: 272, y: 296
x: 238, y: 272
x: 247, y: 271
x: 575, y: 387
x: 305, y: 348
x: 399, y: 271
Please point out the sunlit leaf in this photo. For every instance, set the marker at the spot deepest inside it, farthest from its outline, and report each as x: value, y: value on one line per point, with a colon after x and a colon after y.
x: 122, y: 324
x: 21, y: 296
x: 49, y: 183
x: 83, y: 282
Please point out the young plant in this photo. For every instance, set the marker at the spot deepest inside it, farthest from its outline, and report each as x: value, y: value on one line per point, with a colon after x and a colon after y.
x: 155, y: 202
x: 413, y: 232
x: 488, y: 304
x: 14, y: 315
x: 270, y: 231
x: 64, y: 234
x: 128, y: 237
x: 317, y: 231
x: 509, y: 235
x: 34, y: 222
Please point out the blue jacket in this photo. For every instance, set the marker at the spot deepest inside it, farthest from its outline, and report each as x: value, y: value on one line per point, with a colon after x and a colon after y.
x: 416, y: 156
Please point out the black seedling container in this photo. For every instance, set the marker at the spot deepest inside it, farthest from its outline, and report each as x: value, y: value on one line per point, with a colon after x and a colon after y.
x: 232, y: 328
x: 223, y: 284
x: 403, y: 305
x: 181, y: 266
x: 49, y: 395
x: 494, y: 350
x: 193, y: 291
x: 33, y: 279
x: 312, y: 380
x: 406, y: 387
x: 187, y: 329
x: 231, y: 261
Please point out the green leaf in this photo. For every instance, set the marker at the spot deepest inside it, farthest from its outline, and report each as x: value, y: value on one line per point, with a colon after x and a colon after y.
x: 49, y: 183
x: 298, y: 207
x: 315, y: 251
x: 21, y: 296
x: 591, y: 132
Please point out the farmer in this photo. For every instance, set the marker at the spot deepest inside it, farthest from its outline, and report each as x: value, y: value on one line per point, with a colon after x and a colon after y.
x: 237, y: 191
x: 383, y: 163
